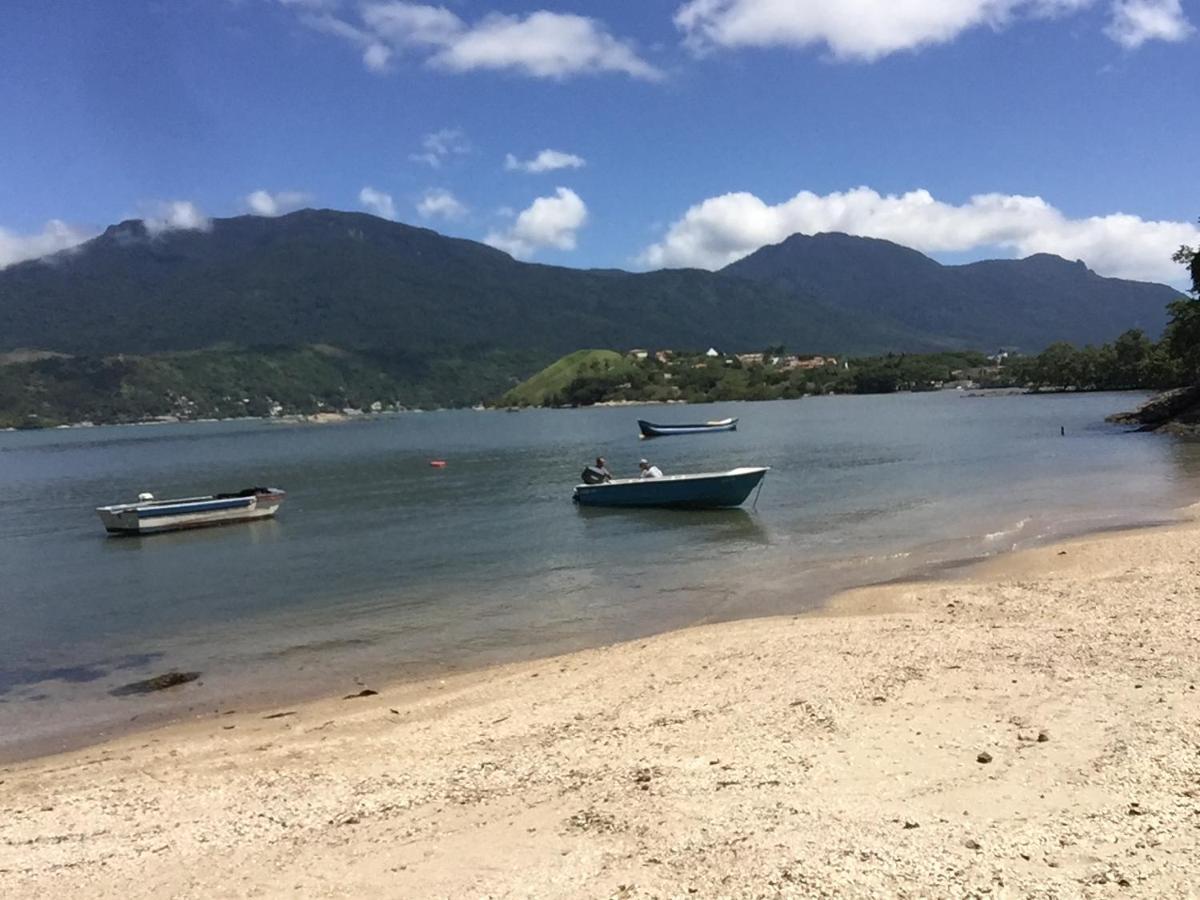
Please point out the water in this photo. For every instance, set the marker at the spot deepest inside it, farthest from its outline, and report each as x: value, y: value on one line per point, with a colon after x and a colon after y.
x: 381, y: 565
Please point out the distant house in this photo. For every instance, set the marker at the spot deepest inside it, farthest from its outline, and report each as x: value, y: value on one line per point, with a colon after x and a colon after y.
x: 750, y: 359
x: 638, y: 354
x: 812, y: 362
x: 664, y: 356
x: 712, y: 353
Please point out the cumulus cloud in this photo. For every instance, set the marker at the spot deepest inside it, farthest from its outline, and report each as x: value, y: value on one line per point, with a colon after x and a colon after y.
x: 176, y: 215
x: 723, y: 229
x: 851, y: 29
x: 542, y: 44
x: 55, y: 235
x: 378, y: 202
x: 264, y: 203
x: 1134, y: 22
x: 546, y: 161
x: 439, y: 146
x: 547, y: 222
x: 439, y: 203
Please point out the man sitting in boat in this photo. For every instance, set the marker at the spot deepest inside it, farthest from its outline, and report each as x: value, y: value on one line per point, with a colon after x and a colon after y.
x: 649, y: 471
x: 598, y: 473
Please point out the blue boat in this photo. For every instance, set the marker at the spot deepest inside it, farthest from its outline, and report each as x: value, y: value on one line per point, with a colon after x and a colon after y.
x: 649, y: 429
x: 708, y: 490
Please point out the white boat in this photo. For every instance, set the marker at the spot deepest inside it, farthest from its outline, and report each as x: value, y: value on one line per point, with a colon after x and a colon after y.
x: 148, y: 516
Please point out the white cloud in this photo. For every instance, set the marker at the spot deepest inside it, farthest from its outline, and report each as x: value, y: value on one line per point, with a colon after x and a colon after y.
x: 1136, y: 21
x: 378, y: 202
x: 439, y: 203
x: 376, y: 55
x: 412, y: 24
x: 176, y: 215
x: 541, y: 44
x: 439, y: 146
x: 723, y: 229
x: 851, y: 29
x: 546, y: 161
x: 264, y: 203
x: 547, y: 222
x: 55, y: 235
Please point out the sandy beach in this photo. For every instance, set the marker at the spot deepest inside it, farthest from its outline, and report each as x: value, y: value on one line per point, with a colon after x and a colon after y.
x: 1029, y: 728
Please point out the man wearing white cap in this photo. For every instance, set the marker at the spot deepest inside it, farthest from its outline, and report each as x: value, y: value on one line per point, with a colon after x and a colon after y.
x: 649, y: 471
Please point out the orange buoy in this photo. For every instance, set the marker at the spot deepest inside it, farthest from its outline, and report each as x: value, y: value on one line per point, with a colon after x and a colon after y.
x: 438, y: 463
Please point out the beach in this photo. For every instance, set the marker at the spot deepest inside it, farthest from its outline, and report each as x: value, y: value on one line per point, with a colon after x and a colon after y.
x: 1027, y: 727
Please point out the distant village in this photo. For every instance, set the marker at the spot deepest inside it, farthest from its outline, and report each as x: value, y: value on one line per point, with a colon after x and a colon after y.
x: 977, y: 369
x: 789, y: 362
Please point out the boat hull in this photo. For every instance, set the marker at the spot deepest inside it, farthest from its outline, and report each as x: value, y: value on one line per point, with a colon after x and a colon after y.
x: 649, y: 429
x: 715, y: 490
x: 193, y: 512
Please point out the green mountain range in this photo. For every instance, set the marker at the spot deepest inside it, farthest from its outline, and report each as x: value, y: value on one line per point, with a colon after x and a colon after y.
x: 364, y: 283
x: 1023, y: 303
x: 329, y: 307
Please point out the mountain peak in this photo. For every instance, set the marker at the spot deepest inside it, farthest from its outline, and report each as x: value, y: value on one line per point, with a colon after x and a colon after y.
x: 127, y: 230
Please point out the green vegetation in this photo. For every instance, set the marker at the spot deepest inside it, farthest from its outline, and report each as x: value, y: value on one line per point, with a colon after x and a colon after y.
x: 1182, y: 337
x: 1133, y: 360
x: 422, y: 320
x: 549, y: 386
x: 591, y: 376
x: 54, y: 390
x: 370, y: 285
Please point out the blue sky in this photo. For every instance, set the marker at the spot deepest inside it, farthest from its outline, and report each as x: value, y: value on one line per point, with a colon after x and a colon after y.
x: 686, y: 132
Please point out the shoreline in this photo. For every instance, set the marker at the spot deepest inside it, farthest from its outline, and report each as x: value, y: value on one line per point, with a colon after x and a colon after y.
x: 253, y: 702
x: 833, y: 751
x: 333, y: 418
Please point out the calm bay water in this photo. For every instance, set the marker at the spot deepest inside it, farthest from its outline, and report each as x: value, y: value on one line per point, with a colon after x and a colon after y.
x: 380, y: 565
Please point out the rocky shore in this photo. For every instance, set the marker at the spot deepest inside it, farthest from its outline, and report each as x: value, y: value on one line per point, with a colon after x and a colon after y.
x: 1030, y: 729
x: 1171, y: 412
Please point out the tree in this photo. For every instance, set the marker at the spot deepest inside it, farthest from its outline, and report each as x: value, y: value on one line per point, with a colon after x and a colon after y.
x: 1182, y: 336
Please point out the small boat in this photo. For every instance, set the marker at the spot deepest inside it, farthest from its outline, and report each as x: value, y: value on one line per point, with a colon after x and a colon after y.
x: 649, y: 429
x: 707, y: 490
x: 148, y: 516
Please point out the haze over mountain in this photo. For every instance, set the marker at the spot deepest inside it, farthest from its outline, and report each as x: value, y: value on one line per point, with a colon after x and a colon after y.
x: 366, y: 283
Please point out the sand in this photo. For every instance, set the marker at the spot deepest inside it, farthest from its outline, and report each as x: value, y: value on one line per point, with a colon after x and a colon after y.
x: 1031, y: 728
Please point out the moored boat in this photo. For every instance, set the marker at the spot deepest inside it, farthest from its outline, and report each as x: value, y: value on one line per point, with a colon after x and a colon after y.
x: 706, y: 490
x: 650, y: 429
x: 149, y: 516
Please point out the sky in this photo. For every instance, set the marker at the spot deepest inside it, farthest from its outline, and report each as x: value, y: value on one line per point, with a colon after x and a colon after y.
x: 633, y: 133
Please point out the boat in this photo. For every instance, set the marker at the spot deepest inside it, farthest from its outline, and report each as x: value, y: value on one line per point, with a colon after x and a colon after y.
x: 706, y: 490
x: 649, y: 429
x: 149, y: 516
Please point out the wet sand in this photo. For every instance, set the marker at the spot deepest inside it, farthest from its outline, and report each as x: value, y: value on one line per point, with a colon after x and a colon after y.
x: 1031, y: 727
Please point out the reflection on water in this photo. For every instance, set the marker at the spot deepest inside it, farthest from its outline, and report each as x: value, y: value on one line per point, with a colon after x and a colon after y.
x: 379, y: 563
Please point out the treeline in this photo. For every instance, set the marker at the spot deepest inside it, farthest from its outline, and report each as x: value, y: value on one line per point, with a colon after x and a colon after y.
x: 53, y: 389
x: 698, y: 378
x: 1131, y: 362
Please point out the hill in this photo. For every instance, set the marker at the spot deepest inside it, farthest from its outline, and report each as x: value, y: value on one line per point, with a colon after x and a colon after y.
x: 543, y: 388
x: 367, y: 284
x: 364, y: 283
x: 1025, y: 303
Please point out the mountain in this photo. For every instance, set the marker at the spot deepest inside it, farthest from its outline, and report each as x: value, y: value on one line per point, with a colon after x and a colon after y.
x: 1027, y: 303
x: 365, y: 283
x: 394, y: 291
